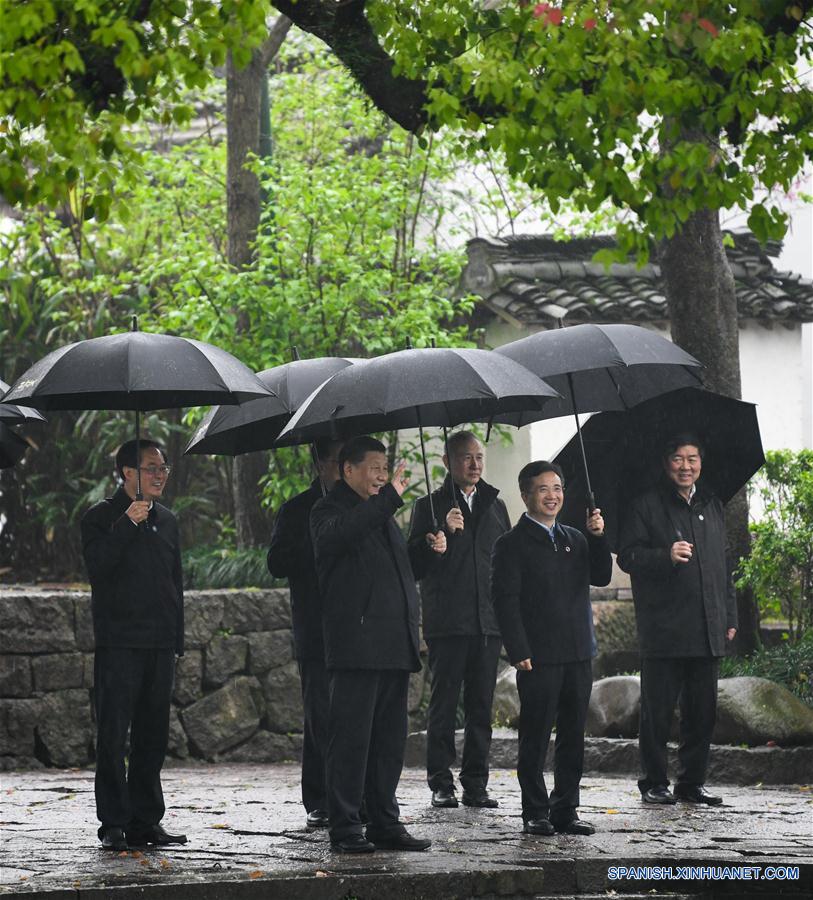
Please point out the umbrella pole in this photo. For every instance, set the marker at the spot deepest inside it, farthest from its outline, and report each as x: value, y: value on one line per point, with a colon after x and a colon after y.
x: 591, y: 500
x: 315, y: 459
x: 139, y: 495
x: 455, y: 504
x: 426, y: 474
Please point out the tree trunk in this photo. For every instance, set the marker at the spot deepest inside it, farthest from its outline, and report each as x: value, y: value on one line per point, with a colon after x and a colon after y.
x: 244, y: 89
x: 703, y: 312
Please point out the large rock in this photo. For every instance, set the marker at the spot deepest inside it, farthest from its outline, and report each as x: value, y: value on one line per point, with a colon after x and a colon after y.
x: 754, y: 711
x: 505, y: 709
x: 615, y: 706
x: 203, y: 612
x: 57, y: 671
x: 417, y: 688
x: 223, y: 719
x: 15, y: 676
x: 260, y: 610
x: 188, y: 678
x: 266, y: 747
x: 66, y: 728
x: 178, y: 746
x: 37, y: 624
x: 18, y: 722
x: 283, y: 699
x: 269, y: 649
x: 225, y: 655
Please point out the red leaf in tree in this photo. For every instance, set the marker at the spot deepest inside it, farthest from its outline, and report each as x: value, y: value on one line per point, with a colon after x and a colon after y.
x: 541, y: 9
x: 706, y: 25
x: 590, y: 24
x: 555, y: 16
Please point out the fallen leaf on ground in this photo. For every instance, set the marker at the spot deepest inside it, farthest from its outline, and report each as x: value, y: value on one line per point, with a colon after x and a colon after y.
x: 611, y: 812
x: 220, y: 825
x: 257, y: 873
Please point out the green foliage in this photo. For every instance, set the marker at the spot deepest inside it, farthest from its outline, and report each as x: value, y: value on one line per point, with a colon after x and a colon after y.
x: 660, y: 109
x: 214, y: 566
x: 76, y: 76
x: 780, y: 568
x: 790, y: 665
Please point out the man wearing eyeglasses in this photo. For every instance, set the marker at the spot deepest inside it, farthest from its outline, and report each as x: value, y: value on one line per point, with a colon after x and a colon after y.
x: 131, y: 547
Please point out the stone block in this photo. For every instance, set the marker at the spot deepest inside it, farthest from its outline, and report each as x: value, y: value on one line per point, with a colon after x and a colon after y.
x: 615, y: 707
x: 203, y: 614
x: 178, y: 746
x: 223, y: 719
x: 418, y: 686
x: 505, y: 709
x: 283, y: 699
x: 614, y: 622
x: 269, y: 649
x: 265, y: 610
x: 65, y: 730
x: 266, y: 747
x: 754, y: 711
x: 57, y: 671
x: 188, y: 678
x: 40, y: 623
x: 18, y: 723
x: 83, y: 617
x: 225, y: 655
x: 15, y: 676
x: 87, y: 670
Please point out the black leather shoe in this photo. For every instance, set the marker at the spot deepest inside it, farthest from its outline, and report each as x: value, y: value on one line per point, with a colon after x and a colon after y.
x: 574, y: 826
x: 113, y: 838
x: 317, y: 818
x: 444, y: 799
x: 353, y: 843
x: 660, y: 796
x: 538, y: 826
x: 481, y: 799
x: 401, y: 841
x: 155, y: 835
x: 696, y: 794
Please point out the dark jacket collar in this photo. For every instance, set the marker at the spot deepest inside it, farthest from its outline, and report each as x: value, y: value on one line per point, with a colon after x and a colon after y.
x: 486, y: 493
x: 536, y: 531
x: 342, y: 493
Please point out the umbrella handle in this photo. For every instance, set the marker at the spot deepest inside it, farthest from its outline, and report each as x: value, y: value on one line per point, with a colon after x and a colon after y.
x: 455, y: 504
x: 139, y: 495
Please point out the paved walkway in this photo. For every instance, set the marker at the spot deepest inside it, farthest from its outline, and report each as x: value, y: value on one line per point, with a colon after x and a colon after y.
x: 248, y: 839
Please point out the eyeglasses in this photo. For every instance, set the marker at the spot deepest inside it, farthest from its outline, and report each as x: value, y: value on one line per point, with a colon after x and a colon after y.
x: 156, y: 470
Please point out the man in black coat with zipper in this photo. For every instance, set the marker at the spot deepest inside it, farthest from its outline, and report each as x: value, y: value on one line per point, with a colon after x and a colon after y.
x: 291, y: 556
x: 131, y: 547
x: 673, y: 544
x: 459, y: 624
x: 541, y: 577
x: 370, y: 616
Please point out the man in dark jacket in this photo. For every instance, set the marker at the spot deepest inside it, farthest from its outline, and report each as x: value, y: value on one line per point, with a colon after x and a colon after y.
x: 541, y: 577
x: 459, y: 624
x: 291, y: 556
x: 370, y: 616
x: 132, y: 552
x: 673, y: 544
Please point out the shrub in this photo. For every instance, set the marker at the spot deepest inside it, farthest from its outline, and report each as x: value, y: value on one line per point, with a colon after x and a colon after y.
x: 225, y: 567
x: 790, y: 665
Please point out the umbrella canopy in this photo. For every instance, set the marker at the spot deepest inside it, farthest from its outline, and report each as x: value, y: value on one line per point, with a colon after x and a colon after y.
x: 624, y: 450
x: 601, y: 367
x: 12, y: 447
x: 16, y: 415
x: 135, y: 370
x: 414, y: 388
x: 255, y: 425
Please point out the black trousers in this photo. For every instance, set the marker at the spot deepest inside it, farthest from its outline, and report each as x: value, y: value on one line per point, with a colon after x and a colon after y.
x: 548, y: 695
x: 133, y: 690
x: 470, y: 662
x: 315, y: 691
x: 367, y: 729
x: 664, y: 681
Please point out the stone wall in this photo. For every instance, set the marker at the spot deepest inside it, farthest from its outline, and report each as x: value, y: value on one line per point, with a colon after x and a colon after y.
x: 236, y: 696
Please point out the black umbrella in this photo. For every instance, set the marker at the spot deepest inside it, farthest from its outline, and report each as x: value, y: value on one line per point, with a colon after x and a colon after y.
x: 414, y: 388
x: 138, y: 371
x: 255, y: 425
x: 600, y: 367
x: 16, y: 415
x: 625, y: 450
x: 12, y: 447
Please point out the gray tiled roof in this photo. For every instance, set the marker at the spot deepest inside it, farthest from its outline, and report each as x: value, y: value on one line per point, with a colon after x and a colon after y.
x: 531, y: 278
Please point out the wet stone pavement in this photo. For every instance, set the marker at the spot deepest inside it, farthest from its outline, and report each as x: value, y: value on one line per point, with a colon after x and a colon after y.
x: 247, y: 839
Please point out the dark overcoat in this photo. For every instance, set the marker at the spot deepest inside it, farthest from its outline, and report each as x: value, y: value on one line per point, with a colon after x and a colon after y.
x: 681, y: 609
x: 135, y: 576
x: 541, y: 592
x: 456, y: 592
x: 369, y: 597
x: 291, y: 556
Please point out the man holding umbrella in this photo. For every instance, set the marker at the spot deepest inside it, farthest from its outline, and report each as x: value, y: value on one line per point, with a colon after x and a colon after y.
x: 459, y: 623
x: 673, y: 544
x: 371, y: 644
x: 291, y: 556
x: 131, y: 548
